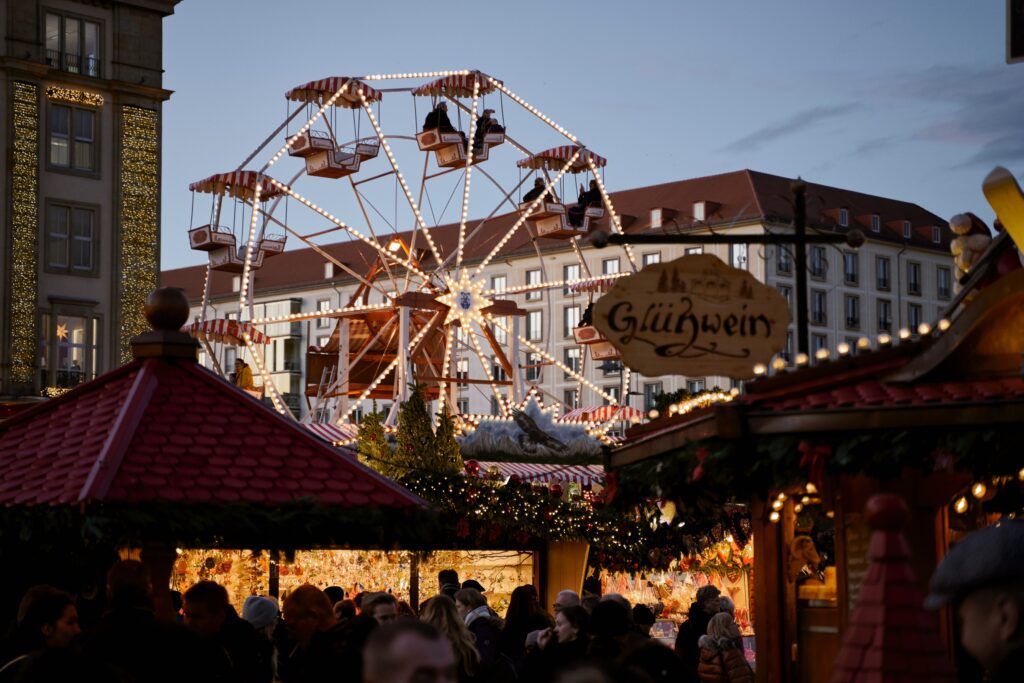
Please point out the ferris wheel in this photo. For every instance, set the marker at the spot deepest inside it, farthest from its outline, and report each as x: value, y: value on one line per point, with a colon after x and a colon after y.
x: 367, y: 172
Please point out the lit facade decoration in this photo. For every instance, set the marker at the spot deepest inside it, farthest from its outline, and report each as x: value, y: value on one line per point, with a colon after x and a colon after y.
x: 140, y: 231
x: 72, y: 96
x: 24, y: 261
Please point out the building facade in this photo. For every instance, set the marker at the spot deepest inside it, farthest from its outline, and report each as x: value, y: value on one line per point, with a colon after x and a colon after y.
x: 901, y: 277
x: 82, y: 91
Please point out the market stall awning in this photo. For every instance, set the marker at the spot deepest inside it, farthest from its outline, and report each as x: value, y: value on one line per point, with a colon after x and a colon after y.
x: 458, y: 85
x: 555, y: 158
x: 323, y: 89
x: 334, y: 434
x: 602, y: 414
x: 597, y: 284
x: 226, y: 331
x: 240, y: 184
x: 546, y: 472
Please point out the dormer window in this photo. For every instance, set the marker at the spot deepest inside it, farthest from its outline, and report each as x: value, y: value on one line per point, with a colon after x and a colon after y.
x: 328, y: 270
x: 844, y: 218
x: 936, y: 234
x: 700, y: 211
x: 236, y: 283
x: 906, y: 230
x: 655, y: 218
x: 876, y: 223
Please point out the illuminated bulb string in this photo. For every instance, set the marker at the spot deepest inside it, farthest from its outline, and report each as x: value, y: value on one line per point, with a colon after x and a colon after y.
x: 24, y: 232
x: 616, y: 226
x: 419, y: 74
x: 530, y: 108
x: 483, y: 362
x: 246, y: 269
x: 449, y: 341
x: 295, y: 317
x: 469, y: 171
x: 555, y: 284
x: 268, y: 383
x: 291, y: 141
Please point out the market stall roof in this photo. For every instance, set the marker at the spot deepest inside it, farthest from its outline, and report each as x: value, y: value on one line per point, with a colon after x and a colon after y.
x: 967, y: 375
x: 545, y: 472
x: 163, y: 429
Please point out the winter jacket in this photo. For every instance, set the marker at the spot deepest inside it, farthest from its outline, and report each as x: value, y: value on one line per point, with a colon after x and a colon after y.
x: 690, y: 632
x: 722, y: 662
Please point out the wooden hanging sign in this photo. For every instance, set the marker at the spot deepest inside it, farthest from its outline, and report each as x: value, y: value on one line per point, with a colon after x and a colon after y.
x: 693, y: 316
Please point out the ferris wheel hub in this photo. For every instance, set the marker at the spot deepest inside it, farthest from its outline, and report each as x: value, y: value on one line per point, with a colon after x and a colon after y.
x: 465, y: 299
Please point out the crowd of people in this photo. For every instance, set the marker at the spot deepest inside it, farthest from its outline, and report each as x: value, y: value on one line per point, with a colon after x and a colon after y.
x: 327, y: 635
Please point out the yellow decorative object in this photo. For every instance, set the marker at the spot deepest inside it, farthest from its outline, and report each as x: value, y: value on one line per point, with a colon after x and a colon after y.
x: 89, y: 99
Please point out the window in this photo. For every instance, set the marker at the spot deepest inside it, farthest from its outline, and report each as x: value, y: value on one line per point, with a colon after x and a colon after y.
x: 570, y: 319
x: 876, y: 223
x: 695, y: 386
x: 495, y: 406
x: 819, y: 307
x: 499, y: 283
x: 323, y: 305
x: 533, y: 367
x: 70, y: 239
x: 533, y: 278
x: 463, y: 405
x: 783, y: 260
x: 914, y: 316
x: 844, y: 218
x: 700, y: 212
x: 655, y: 218
x: 787, y: 350
x: 944, y: 280
x: 498, y: 373
x: 498, y: 330
x: 72, y: 134
x: 73, y: 44
x: 651, y: 390
x: 610, y: 266
x: 907, y: 228
x: 693, y: 251
x: 323, y: 341
x: 570, y: 397
x: 462, y: 369
x: 613, y: 392
x: 852, y: 306
x: 69, y: 347
x: 738, y: 256
x: 882, y: 272
x: 328, y: 270
x: 571, y: 359
x: 534, y: 326
x: 611, y: 367
x: 569, y: 274
x: 787, y: 294
x: 936, y: 234
x: 653, y: 257
x: 884, y: 308
x: 913, y: 277
x: 818, y: 342
x: 819, y: 262
x: 851, y: 268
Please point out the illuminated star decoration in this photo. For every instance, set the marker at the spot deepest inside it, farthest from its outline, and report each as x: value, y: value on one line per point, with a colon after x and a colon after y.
x: 464, y: 299
x: 62, y: 332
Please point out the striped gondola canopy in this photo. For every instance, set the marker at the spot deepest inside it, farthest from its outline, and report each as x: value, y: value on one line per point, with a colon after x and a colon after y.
x: 238, y: 184
x: 547, y: 473
x: 602, y: 414
x: 457, y: 85
x: 319, y: 91
x: 226, y: 331
x: 555, y: 158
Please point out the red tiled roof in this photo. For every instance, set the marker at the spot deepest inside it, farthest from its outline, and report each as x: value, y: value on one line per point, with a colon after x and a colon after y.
x: 167, y: 430
x: 738, y: 196
x: 891, y: 637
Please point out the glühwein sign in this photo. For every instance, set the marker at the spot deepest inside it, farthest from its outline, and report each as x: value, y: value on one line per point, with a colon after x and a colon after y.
x: 693, y: 316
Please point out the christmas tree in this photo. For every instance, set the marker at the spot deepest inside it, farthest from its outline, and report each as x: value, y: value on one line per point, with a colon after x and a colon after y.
x: 374, y: 450
x: 446, y: 448
x: 415, y: 444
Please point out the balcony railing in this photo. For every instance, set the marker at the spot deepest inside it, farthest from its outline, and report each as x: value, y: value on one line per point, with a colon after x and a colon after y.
x: 75, y: 64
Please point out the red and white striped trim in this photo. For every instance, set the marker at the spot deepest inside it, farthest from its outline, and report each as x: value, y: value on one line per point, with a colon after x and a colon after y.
x: 546, y: 472
x: 237, y: 184
x: 601, y: 284
x: 555, y: 158
x: 323, y: 89
x: 601, y: 414
x: 335, y: 434
x: 226, y: 332
x: 457, y: 86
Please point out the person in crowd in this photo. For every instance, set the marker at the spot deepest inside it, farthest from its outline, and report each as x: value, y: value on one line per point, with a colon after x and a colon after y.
x: 243, y: 374
x: 409, y: 651
x: 448, y: 582
x: 523, y: 616
x: 589, y: 601
x: 263, y: 615
x: 643, y: 618
x: 358, y: 600
x: 720, y: 660
x: 613, y: 631
x: 47, y: 619
x: 725, y: 604
x: 592, y: 586
x: 139, y: 647
x: 209, y: 614
x: 335, y: 594
x: 405, y: 610
x: 474, y: 584
x: 982, y: 579
x: 653, y: 662
x: 619, y: 598
x: 381, y: 606
x: 566, y: 598
x: 559, y: 647
x: 704, y: 606
x: 441, y: 613
x: 538, y: 190
x: 318, y: 647
x: 438, y: 119
x: 486, y: 629
x: 345, y: 610
x: 178, y: 605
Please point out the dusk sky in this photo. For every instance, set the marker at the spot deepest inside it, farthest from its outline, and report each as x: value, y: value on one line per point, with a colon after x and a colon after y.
x: 911, y: 99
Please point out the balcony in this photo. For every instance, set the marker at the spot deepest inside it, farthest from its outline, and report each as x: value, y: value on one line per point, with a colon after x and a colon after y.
x: 74, y: 64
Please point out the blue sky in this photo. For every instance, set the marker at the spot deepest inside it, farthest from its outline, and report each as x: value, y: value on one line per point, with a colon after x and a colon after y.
x: 909, y: 99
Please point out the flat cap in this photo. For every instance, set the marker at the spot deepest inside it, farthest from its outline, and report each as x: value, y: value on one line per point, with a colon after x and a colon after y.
x: 992, y: 555
x: 473, y: 583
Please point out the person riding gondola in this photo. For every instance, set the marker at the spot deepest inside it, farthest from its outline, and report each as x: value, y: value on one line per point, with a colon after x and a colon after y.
x: 438, y: 119
x: 587, y: 198
x: 538, y: 190
x: 243, y: 374
x: 484, y: 125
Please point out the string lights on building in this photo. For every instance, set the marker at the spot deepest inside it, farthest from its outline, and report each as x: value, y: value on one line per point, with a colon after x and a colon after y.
x: 71, y: 96
x: 24, y: 232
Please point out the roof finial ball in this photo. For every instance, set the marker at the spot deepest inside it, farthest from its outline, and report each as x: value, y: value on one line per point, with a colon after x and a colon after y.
x: 167, y: 309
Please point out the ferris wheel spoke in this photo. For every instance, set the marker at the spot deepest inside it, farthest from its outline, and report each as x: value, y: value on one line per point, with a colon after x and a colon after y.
x: 342, y: 312
x: 245, y: 285
x: 268, y: 382
x: 401, y: 180
x: 556, y: 284
x: 530, y: 108
x: 522, y: 219
x: 512, y: 141
x: 471, y: 146
x: 486, y: 366
x: 446, y: 369
x: 616, y: 225
x: 565, y: 368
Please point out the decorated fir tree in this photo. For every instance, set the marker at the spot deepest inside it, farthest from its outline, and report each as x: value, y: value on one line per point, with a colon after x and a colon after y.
x: 374, y: 450
x: 448, y: 456
x: 415, y: 443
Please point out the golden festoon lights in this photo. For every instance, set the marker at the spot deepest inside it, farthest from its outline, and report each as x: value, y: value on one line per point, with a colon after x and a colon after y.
x: 24, y: 231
